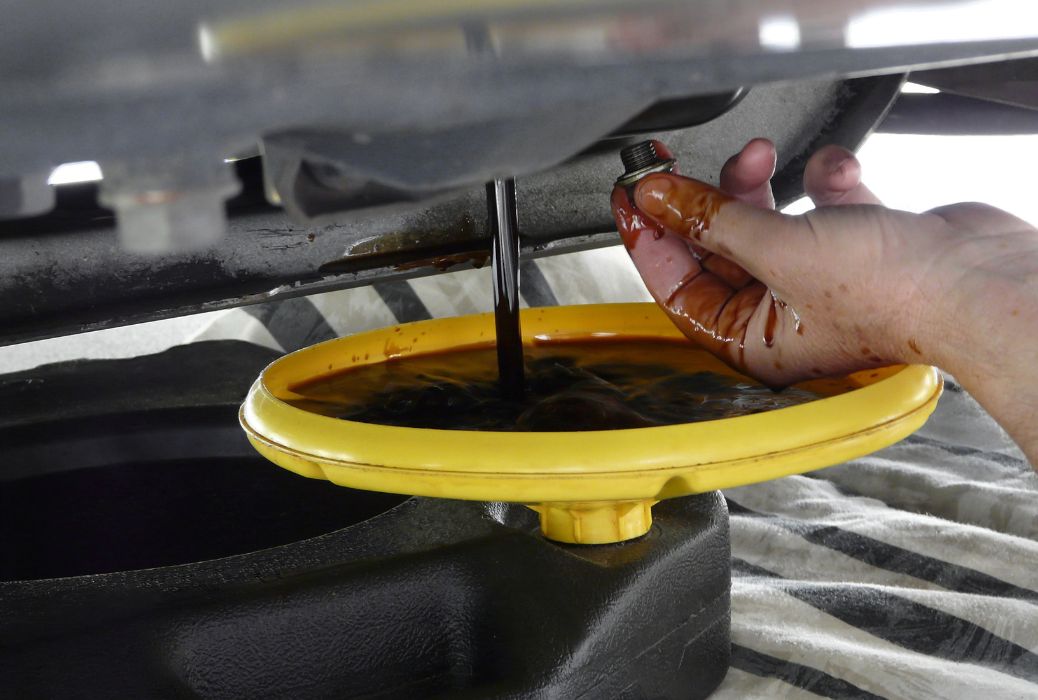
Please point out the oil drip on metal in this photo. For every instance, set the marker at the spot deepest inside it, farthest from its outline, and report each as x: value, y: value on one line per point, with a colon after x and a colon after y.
x: 590, y: 385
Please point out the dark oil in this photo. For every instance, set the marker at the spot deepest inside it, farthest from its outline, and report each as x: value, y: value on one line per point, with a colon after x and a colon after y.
x: 504, y: 259
x: 596, y: 385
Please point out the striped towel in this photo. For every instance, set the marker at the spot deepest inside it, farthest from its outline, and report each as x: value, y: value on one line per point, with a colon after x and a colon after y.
x: 910, y: 573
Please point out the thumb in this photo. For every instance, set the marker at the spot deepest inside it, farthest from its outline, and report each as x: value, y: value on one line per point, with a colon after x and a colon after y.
x: 747, y: 235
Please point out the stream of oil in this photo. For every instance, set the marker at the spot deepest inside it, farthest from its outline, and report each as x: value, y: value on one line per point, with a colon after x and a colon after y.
x: 596, y: 385
x: 504, y: 257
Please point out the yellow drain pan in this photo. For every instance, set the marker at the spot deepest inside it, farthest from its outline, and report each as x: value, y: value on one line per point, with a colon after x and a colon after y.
x: 589, y: 487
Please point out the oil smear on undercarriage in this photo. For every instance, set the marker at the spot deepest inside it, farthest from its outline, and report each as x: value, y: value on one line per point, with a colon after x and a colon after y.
x: 589, y: 385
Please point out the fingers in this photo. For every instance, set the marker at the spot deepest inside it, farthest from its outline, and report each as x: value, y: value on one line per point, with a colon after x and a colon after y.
x: 747, y: 175
x: 730, y: 272
x: 663, y: 259
x: 662, y: 150
x: 708, y: 297
x: 833, y: 176
x: 748, y: 235
x: 624, y: 214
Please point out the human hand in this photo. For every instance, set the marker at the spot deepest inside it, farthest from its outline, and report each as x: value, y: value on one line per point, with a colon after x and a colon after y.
x: 786, y: 298
x: 848, y: 286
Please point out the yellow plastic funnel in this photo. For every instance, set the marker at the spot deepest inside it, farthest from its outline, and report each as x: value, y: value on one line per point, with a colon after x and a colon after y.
x: 589, y: 487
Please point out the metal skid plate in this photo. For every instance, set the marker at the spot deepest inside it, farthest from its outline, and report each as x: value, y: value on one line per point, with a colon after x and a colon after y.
x: 376, y: 102
x: 432, y: 94
x: 66, y: 272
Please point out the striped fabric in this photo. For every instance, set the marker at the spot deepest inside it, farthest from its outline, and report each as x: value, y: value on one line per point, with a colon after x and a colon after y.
x: 910, y: 573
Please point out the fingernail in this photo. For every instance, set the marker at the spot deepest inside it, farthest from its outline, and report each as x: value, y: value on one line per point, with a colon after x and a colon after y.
x: 836, y: 162
x: 651, y: 195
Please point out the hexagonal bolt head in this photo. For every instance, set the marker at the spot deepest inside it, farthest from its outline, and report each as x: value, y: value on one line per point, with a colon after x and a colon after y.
x: 29, y: 195
x: 186, y: 222
x: 178, y: 215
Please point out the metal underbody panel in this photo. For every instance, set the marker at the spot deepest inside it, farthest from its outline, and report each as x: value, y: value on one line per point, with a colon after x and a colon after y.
x: 432, y: 95
x: 380, y: 121
x: 67, y: 273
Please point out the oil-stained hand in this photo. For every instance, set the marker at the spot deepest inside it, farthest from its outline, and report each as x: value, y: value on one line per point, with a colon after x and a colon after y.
x: 848, y: 286
x: 841, y: 288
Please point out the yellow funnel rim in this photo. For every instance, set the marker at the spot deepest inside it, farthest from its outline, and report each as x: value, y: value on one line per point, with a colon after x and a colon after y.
x: 576, y: 468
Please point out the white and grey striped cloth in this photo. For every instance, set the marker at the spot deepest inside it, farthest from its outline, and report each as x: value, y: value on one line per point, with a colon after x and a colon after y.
x: 910, y: 573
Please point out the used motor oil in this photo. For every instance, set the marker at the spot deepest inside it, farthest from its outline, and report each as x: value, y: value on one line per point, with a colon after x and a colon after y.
x: 592, y: 385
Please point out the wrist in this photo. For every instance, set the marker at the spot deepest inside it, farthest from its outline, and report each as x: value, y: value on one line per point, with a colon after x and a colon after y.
x: 971, y: 290
x: 985, y: 327
x: 922, y: 326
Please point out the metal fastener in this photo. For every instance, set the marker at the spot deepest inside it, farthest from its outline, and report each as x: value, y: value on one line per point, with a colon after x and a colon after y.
x: 640, y: 160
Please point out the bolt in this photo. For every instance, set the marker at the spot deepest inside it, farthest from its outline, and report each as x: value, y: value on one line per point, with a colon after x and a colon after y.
x: 640, y: 160
x: 173, y: 207
x: 29, y: 195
